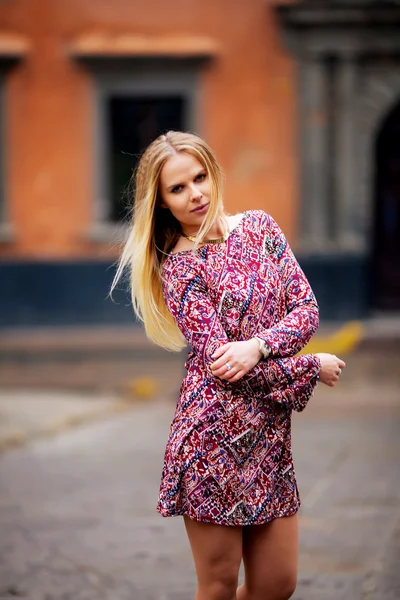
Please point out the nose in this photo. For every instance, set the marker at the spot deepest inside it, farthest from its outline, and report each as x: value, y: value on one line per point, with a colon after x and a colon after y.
x: 195, y: 193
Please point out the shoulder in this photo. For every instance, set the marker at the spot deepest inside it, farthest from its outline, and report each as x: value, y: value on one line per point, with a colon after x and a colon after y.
x: 259, y: 220
x: 269, y: 233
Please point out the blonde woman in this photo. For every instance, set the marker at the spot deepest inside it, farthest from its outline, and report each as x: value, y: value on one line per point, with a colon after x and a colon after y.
x: 230, y: 287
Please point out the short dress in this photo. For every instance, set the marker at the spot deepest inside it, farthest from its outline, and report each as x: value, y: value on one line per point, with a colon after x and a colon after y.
x: 228, y: 458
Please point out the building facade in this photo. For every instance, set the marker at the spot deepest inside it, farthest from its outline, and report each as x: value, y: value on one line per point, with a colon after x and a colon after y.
x: 298, y: 101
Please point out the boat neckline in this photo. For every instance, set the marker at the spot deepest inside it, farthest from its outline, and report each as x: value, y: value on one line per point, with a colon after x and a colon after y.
x: 191, y: 251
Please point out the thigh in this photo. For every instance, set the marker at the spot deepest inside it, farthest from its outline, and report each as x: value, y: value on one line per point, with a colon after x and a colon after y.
x: 216, y: 549
x: 270, y: 556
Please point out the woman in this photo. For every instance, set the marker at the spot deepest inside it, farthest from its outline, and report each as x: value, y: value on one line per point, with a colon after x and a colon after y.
x: 230, y: 287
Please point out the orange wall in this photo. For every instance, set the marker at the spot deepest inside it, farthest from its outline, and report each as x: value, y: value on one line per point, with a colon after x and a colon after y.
x: 247, y: 112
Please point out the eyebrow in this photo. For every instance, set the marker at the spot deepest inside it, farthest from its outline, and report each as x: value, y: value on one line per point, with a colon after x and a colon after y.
x: 171, y: 187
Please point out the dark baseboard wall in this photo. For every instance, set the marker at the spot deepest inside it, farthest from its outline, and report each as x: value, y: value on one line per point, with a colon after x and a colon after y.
x: 61, y: 293
x: 341, y: 284
x: 36, y: 294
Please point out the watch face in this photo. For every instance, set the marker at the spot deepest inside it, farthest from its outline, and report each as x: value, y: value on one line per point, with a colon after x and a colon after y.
x: 265, y: 349
x: 261, y: 346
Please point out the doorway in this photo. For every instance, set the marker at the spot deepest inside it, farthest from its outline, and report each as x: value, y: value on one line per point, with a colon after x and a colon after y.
x: 386, y: 247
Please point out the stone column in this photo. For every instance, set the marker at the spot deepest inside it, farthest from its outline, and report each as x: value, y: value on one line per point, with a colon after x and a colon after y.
x: 313, y: 153
x: 346, y: 167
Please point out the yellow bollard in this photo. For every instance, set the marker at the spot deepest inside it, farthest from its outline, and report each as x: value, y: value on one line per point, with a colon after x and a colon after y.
x: 141, y: 387
x: 342, y: 341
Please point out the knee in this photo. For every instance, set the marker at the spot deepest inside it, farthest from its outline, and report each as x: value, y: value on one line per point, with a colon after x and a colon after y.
x: 286, y: 587
x: 222, y: 583
x: 220, y: 590
x: 279, y: 587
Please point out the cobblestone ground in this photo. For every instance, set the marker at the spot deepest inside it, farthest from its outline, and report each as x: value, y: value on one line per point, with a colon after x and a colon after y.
x: 78, y: 520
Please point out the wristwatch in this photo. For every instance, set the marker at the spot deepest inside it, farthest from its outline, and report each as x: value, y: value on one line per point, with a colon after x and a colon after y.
x: 264, y: 349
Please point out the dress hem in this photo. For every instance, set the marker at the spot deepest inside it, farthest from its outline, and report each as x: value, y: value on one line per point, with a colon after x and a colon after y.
x: 277, y: 515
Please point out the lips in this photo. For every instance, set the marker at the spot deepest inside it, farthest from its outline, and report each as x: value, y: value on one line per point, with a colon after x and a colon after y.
x: 199, y: 208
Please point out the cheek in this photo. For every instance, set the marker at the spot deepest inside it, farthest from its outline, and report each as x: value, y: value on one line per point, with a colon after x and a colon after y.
x: 205, y: 187
x: 176, y: 203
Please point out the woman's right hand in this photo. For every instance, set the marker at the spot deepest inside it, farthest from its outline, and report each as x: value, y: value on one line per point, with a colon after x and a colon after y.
x: 331, y: 368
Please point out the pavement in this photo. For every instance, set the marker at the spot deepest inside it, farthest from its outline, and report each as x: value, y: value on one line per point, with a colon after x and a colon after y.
x: 108, y: 359
x: 79, y: 476
x: 55, y: 378
x: 25, y: 416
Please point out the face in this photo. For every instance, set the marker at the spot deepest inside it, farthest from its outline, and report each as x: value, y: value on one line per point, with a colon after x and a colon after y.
x: 185, y: 190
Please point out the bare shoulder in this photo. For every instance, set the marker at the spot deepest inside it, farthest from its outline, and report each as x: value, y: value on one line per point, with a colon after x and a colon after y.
x: 182, y: 245
x: 234, y: 220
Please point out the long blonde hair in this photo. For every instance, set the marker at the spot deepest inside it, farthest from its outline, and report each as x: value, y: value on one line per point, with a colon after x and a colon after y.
x: 155, y: 231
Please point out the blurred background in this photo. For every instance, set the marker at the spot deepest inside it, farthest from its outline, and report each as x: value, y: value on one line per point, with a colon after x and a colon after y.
x: 301, y: 103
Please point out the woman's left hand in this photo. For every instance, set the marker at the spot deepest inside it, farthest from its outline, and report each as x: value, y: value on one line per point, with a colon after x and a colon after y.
x: 235, y: 359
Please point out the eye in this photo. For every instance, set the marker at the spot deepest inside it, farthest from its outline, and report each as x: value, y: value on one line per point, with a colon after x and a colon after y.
x: 177, y: 189
x: 201, y: 177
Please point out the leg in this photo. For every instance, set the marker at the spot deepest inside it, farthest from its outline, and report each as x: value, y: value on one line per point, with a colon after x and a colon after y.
x: 217, y: 553
x: 270, y: 560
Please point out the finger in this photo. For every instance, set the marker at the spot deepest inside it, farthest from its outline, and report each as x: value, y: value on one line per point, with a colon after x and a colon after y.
x: 221, y: 362
x: 231, y: 374
x: 342, y: 364
x: 226, y: 377
x: 227, y: 373
x: 221, y: 350
x: 221, y: 366
x: 222, y: 371
x: 236, y: 377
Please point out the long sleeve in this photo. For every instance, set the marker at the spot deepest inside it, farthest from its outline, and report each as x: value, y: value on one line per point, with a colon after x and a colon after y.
x: 294, y: 331
x: 186, y: 296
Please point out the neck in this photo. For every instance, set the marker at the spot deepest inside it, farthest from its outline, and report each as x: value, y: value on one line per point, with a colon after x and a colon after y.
x: 216, y: 231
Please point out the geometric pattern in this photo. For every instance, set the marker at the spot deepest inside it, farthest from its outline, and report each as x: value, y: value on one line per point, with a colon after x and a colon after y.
x: 228, y: 458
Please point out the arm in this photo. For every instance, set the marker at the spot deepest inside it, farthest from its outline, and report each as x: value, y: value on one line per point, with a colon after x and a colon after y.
x: 186, y: 296
x: 291, y: 381
x: 294, y: 331
x: 296, y: 396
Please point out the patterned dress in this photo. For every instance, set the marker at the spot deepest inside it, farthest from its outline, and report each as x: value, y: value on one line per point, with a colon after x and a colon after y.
x: 228, y: 458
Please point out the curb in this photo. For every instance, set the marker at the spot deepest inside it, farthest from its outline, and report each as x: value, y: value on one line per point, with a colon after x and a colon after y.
x: 19, y: 438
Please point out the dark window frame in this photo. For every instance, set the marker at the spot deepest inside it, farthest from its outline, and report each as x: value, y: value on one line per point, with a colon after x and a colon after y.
x: 6, y: 229
x: 130, y: 133
x: 152, y: 78
x: 2, y: 142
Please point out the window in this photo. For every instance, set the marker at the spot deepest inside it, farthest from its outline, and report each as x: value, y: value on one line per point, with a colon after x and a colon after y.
x: 133, y: 106
x: 12, y: 49
x: 132, y: 123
